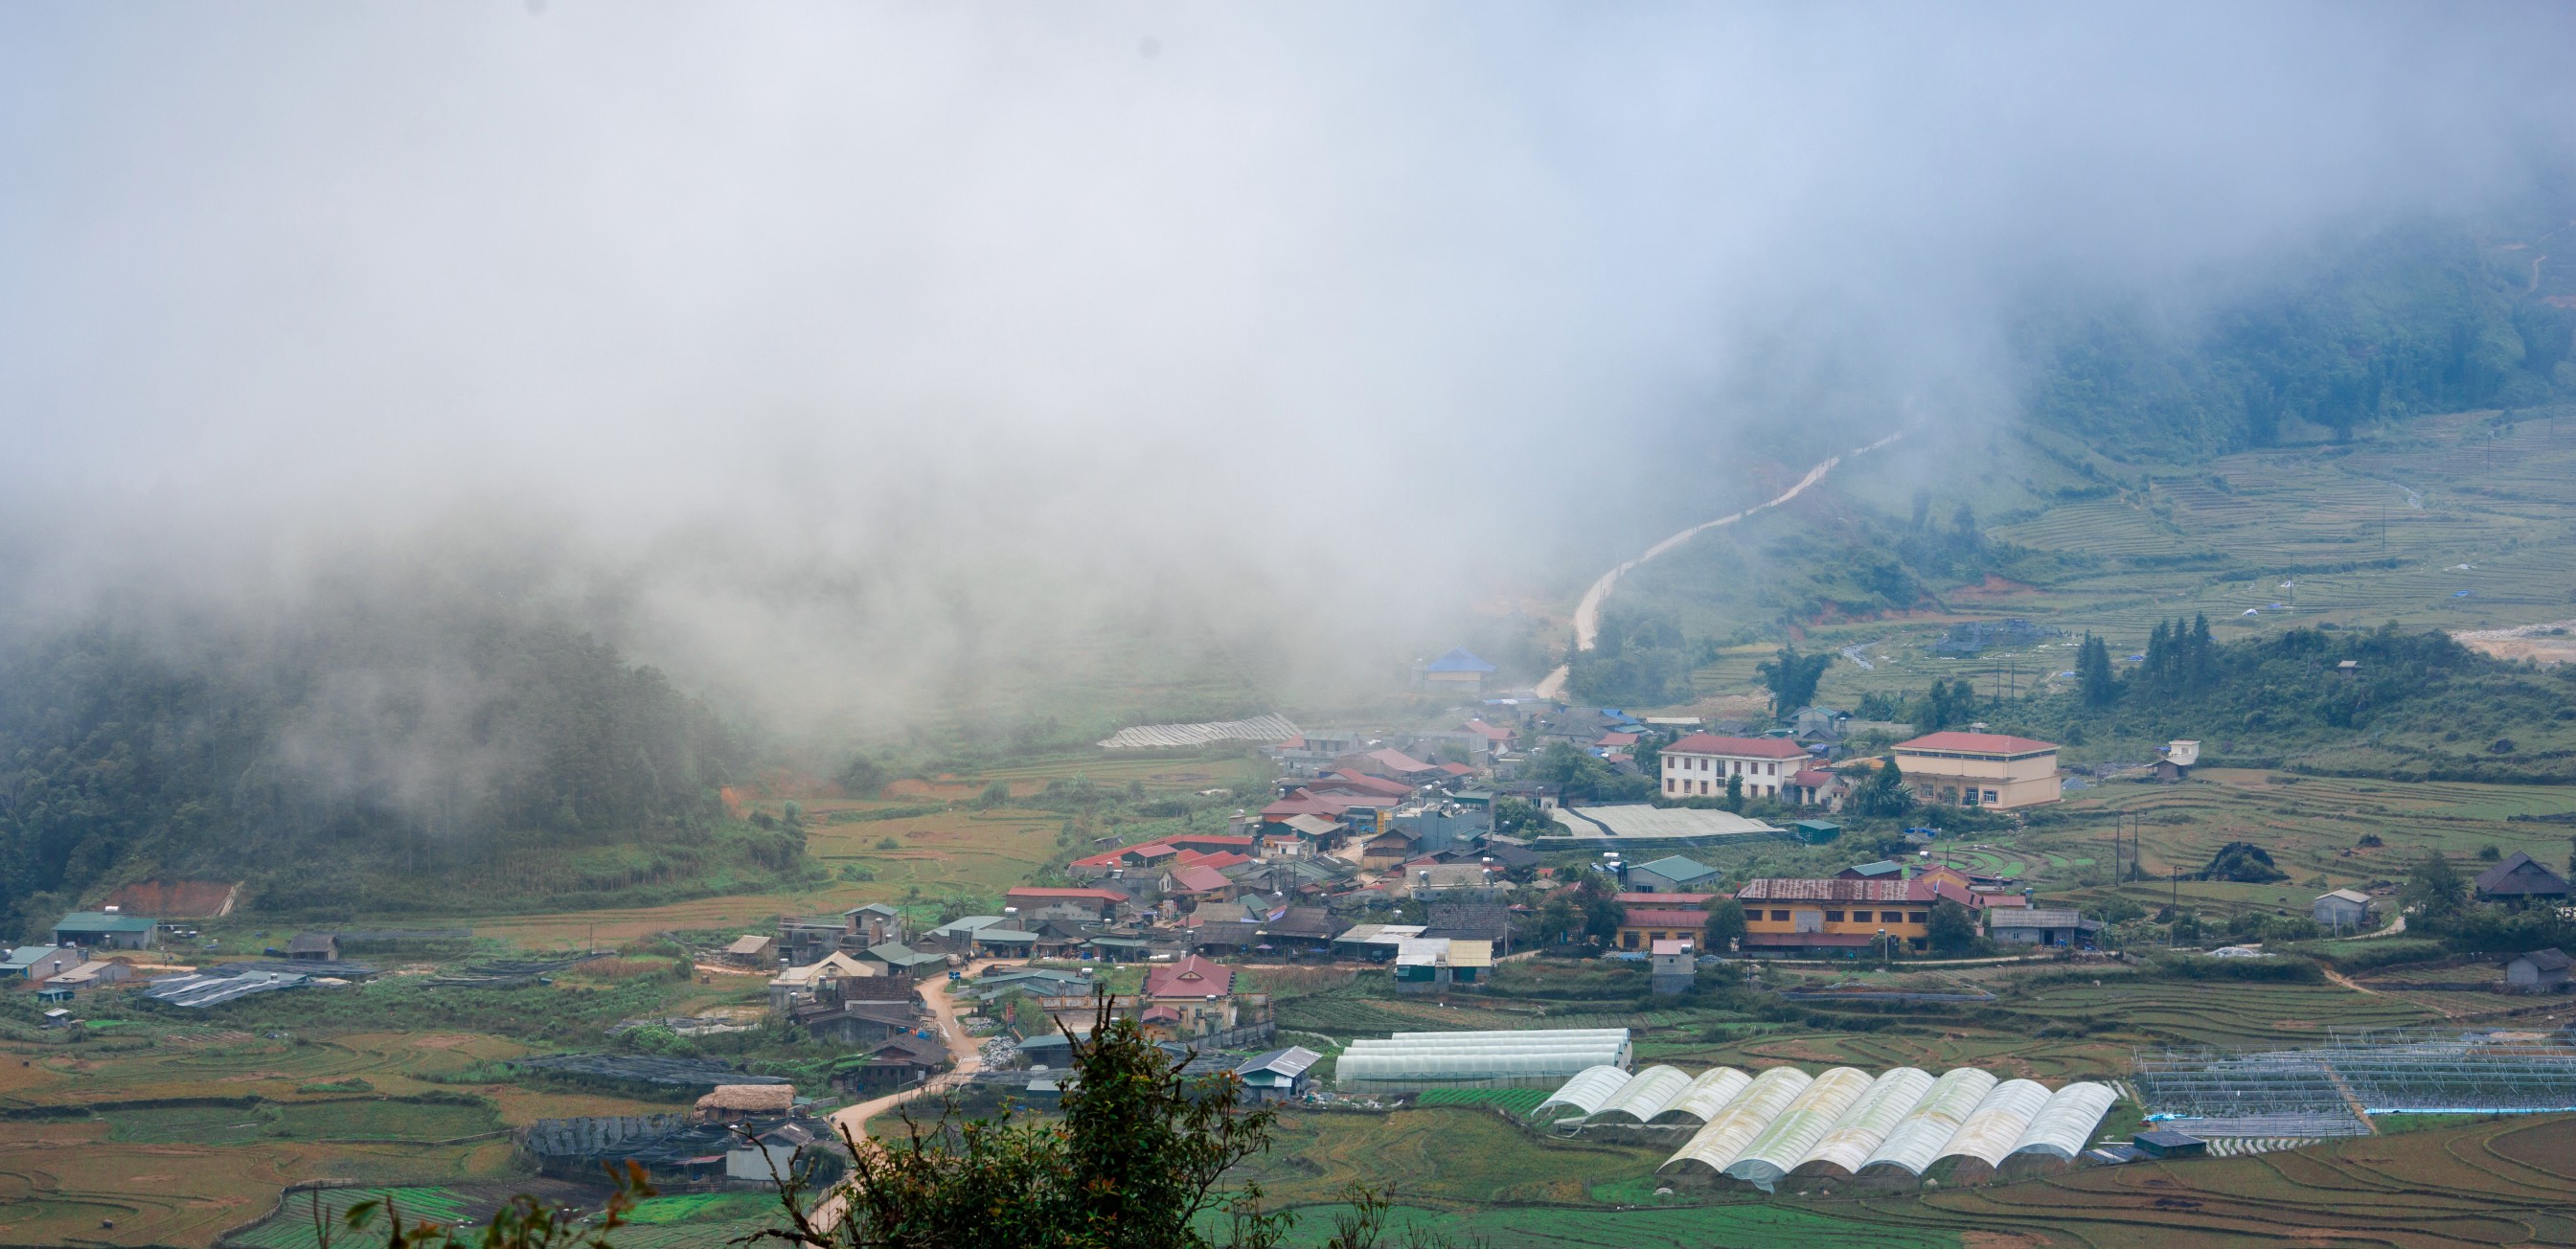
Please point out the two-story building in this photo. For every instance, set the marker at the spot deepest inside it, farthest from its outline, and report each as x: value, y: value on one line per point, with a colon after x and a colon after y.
x: 1979, y: 769
x: 1698, y: 766
x: 1843, y: 916
x: 1036, y: 904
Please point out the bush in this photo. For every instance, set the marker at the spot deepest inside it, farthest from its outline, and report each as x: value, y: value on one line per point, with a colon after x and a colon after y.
x: 2278, y: 969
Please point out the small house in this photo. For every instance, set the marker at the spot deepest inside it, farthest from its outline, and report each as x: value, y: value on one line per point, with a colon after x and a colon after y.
x: 1883, y: 869
x: 1672, y: 967
x: 873, y: 924
x: 314, y: 947
x: 2175, y: 760
x: 1193, y: 977
x: 770, y: 1155
x: 797, y: 984
x: 1279, y: 1075
x: 1457, y: 672
x: 752, y: 950
x: 894, y: 1063
x: 1672, y: 874
x: 894, y: 957
x: 1642, y: 927
x: 2540, y: 971
x: 38, y: 962
x: 2520, y: 878
x: 107, y: 930
x: 1817, y: 832
x: 2344, y: 909
x: 1036, y: 904
x: 2167, y: 1144
x: 2041, y: 926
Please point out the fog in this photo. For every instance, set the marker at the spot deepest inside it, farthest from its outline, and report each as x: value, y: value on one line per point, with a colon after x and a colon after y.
x: 822, y: 353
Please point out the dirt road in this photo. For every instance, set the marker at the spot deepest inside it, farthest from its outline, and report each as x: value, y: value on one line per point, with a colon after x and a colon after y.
x: 1587, y: 614
x: 965, y: 1052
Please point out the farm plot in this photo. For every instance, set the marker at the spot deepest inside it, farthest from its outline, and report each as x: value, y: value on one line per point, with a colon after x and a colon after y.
x: 1464, y: 1154
x: 2215, y: 1013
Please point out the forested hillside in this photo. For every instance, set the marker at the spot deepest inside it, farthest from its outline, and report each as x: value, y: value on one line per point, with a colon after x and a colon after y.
x: 2413, y: 321
x: 2416, y: 705
x: 397, y: 757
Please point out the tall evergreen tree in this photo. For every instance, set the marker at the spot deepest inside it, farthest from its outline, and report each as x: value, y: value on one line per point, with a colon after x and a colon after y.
x: 2093, y: 673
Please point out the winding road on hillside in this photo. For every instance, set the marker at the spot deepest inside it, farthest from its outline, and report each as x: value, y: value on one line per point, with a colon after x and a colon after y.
x: 1587, y: 614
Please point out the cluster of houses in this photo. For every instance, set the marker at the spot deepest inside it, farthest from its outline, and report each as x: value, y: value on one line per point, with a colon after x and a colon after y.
x: 736, y: 1136
x: 82, y: 956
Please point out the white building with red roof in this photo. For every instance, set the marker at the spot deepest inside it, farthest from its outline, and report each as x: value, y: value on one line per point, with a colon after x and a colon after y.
x: 1699, y: 765
x: 1980, y: 769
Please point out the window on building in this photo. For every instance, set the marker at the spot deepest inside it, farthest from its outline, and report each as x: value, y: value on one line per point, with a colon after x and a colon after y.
x: 1917, y: 917
x: 1990, y: 795
x: 1779, y: 917
x: 1833, y: 917
x: 1655, y: 936
x: 1891, y: 917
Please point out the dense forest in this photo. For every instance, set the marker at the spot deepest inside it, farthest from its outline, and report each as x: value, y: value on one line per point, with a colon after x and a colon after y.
x: 400, y: 757
x: 2416, y: 320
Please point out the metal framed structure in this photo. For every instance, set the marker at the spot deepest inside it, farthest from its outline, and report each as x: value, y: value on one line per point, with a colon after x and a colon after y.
x: 2352, y: 1075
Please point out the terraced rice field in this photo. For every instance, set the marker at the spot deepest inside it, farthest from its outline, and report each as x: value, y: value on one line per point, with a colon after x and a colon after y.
x: 2217, y: 1013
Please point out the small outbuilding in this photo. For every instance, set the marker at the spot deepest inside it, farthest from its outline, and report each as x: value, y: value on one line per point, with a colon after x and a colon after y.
x: 314, y: 947
x: 1279, y: 1075
x: 752, y: 950
x: 2345, y: 910
x: 1671, y: 874
x: 2166, y: 1144
x: 2540, y: 971
x: 738, y: 1101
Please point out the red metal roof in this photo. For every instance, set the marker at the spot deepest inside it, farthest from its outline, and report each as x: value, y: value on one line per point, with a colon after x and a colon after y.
x: 1666, y: 919
x: 1190, y: 977
x: 1209, y: 841
x: 1812, y: 776
x: 1196, y: 879
x: 1668, y: 901
x: 1954, y: 742
x: 1737, y: 747
x: 1781, y: 889
x: 1040, y: 892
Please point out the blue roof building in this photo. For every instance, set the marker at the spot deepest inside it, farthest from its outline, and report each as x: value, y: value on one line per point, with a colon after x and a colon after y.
x: 1459, y: 670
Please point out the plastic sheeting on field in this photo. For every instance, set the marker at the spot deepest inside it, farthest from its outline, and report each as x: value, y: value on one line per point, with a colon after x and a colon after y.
x: 1534, y: 1058
x: 1645, y: 1094
x: 1588, y: 1091
x: 1707, y: 1094
x: 1784, y: 1143
x: 1917, y: 1140
x: 1730, y: 1131
x: 1996, y: 1125
x: 2064, y: 1126
x: 1863, y: 1128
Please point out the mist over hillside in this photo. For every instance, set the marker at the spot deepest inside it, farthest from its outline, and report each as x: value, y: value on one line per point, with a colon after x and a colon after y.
x: 858, y: 371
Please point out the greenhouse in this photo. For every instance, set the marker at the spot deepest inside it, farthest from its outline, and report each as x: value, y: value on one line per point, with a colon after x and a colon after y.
x: 1410, y: 1062
x: 1916, y: 1141
x: 1766, y: 1127
x: 1645, y: 1095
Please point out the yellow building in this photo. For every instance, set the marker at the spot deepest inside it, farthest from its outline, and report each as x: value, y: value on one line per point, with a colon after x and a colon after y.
x: 1979, y: 769
x: 1847, y: 916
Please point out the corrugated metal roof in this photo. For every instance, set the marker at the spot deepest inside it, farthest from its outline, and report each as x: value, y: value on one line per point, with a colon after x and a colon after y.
x: 1790, y: 889
x: 1737, y: 747
x: 1954, y: 742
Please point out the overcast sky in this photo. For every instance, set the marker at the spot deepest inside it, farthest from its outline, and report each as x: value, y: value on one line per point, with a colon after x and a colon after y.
x: 815, y: 329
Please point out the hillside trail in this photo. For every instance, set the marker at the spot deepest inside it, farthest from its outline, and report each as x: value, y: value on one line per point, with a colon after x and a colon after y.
x: 965, y: 1052
x: 1587, y: 614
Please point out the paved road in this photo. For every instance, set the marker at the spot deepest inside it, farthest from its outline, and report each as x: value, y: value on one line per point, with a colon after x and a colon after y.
x: 1587, y: 614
